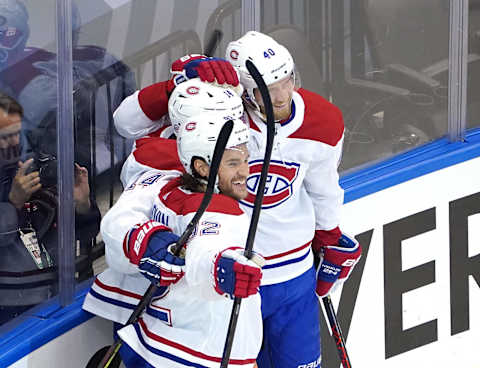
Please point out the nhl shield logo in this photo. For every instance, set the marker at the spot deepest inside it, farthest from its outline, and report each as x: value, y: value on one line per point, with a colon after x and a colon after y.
x: 279, y: 185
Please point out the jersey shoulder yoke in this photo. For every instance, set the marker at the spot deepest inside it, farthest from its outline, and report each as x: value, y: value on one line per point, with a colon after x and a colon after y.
x: 183, y: 202
x: 322, y: 122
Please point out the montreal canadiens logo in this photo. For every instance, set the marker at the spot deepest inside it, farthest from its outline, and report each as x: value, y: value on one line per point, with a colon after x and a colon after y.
x: 279, y: 184
x: 190, y: 126
x: 234, y: 54
x: 193, y: 90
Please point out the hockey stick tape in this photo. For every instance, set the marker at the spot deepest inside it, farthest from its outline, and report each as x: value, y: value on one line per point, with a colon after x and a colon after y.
x: 258, y: 260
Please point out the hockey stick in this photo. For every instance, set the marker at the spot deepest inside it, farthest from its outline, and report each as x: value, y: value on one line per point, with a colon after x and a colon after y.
x: 213, y: 43
x: 336, y: 332
x: 176, y: 249
x: 258, y: 202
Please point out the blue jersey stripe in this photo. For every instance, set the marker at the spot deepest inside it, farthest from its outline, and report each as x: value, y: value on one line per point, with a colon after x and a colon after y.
x: 164, y: 353
x: 284, y: 263
x: 111, y: 300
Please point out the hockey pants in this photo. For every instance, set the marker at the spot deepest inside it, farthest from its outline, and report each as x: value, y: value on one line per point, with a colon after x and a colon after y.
x: 291, y: 324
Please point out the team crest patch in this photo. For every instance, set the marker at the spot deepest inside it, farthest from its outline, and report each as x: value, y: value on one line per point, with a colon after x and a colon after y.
x: 279, y: 185
x: 190, y: 126
x: 234, y: 54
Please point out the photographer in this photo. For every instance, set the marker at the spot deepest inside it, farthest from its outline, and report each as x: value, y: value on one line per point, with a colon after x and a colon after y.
x: 28, y: 208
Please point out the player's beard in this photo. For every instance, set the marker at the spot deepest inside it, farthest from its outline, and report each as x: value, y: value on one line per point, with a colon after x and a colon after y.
x: 236, y: 191
x: 280, y: 111
x: 283, y: 112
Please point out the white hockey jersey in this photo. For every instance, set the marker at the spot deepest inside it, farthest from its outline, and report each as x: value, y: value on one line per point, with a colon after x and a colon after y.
x: 302, y: 192
x: 187, y: 325
x: 139, y: 124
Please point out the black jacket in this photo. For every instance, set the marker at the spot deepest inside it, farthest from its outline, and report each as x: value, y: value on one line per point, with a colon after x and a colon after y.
x: 21, y: 281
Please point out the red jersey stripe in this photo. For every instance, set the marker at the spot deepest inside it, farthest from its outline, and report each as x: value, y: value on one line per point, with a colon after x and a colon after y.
x: 288, y: 252
x: 185, y: 349
x: 117, y: 290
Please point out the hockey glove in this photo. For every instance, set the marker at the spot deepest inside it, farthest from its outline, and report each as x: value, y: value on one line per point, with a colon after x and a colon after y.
x: 208, y: 69
x: 148, y: 246
x: 236, y: 276
x: 336, y: 264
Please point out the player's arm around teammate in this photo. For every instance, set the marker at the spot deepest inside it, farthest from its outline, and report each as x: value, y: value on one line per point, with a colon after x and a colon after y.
x: 145, y: 110
x: 187, y: 324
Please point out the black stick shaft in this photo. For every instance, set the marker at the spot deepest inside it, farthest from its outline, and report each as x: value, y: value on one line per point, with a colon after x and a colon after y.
x: 257, y: 205
x: 336, y: 332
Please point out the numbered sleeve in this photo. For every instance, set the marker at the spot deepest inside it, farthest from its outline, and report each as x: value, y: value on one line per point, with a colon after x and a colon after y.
x: 133, y: 207
x: 215, y: 232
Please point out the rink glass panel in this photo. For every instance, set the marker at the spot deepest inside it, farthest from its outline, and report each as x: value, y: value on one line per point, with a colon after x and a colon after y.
x: 122, y: 47
x: 28, y: 268
x: 117, y: 47
x: 383, y: 62
x: 473, y: 70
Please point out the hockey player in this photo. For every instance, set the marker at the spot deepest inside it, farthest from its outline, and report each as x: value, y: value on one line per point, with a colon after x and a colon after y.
x: 187, y: 324
x: 303, y: 197
x: 114, y: 294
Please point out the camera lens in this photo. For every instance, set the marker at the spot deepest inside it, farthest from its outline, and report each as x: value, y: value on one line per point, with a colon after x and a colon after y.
x: 48, y: 173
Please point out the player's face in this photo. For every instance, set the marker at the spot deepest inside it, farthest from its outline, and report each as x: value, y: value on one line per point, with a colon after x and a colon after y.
x: 281, y: 96
x: 233, y: 172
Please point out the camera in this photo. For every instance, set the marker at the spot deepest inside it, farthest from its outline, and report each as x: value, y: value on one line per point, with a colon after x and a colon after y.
x: 46, y: 165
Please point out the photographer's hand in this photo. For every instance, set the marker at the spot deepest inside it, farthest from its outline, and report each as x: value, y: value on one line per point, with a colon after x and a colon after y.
x: 24, y: 185
x: 81, y: 190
